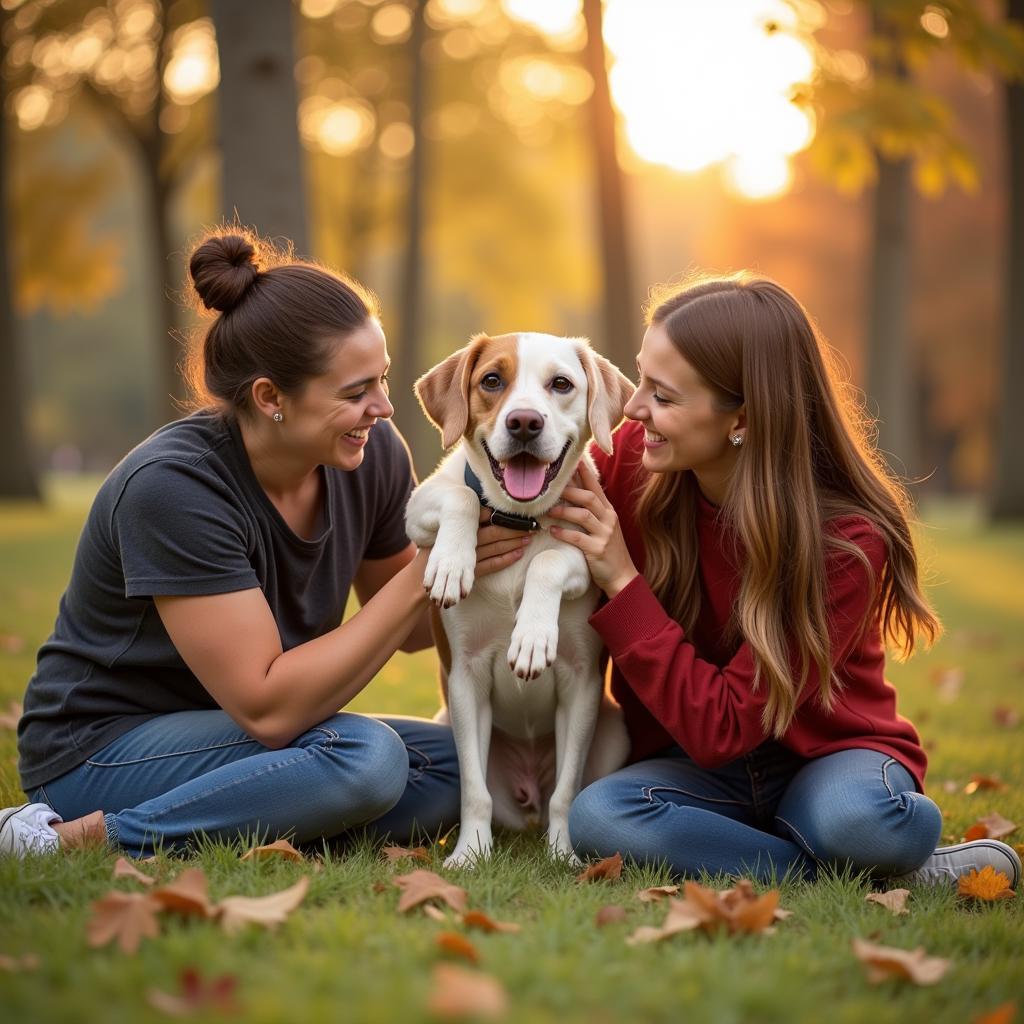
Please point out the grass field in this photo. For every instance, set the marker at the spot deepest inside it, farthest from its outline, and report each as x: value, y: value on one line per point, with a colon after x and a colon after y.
x: 346, y: 954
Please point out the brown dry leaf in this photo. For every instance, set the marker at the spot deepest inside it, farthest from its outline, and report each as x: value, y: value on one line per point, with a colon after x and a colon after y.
x: 610, y: 915
x: 17, y: 964
x: 128, y: 917
x: 976, y: 831
x: 187, y: 894
x: 396, y: 853
x: 457, y: 945
x: 986, y: 885
x: 983, y: 782
x: 478, y: 919
x: 1006, y: 717
x: 280, y: 848
x: 197, y: 994
x: 683, y: 916
x: 1002, y: 1014
x: 237, y: 911
x: 9, y: 719
x: 459, y: 992
x: 996, y: 826
x: 894, y: 900
x: 419, y: 886
x: 124, y: 868
x: 10, y: 643
x: 656, y: 893
x: 882, y: 962
x: 606, y: 870
x: 435, y: 913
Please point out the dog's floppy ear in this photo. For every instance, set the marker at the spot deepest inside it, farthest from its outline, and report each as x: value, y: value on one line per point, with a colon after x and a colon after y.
x: 444, y: 391
x: 608, y: 391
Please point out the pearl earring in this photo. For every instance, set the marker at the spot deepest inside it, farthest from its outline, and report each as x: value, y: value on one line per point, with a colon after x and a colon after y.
x: 737, y: 440
x: 278, y: 417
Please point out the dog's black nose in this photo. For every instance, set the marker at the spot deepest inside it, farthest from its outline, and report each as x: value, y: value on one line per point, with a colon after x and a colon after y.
x: 524, y: 424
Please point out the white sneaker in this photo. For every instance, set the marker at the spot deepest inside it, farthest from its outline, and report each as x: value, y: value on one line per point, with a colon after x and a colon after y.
x: 26, y: 829
x: 948, y: 863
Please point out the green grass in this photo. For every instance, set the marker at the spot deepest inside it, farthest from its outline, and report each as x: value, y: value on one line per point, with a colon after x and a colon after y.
x: 346, y: 954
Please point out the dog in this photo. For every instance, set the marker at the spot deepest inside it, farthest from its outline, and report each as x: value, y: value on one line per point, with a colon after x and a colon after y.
x: 521, y: 681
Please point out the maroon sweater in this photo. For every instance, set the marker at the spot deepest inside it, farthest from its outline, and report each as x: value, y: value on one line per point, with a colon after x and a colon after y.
x: 697, y: 691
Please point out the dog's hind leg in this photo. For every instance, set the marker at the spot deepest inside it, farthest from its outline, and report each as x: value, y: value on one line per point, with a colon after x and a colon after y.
x: 469, y: 707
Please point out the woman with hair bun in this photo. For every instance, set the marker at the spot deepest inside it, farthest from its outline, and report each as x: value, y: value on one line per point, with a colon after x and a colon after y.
x: 192, y: 682
x: 755, y: 554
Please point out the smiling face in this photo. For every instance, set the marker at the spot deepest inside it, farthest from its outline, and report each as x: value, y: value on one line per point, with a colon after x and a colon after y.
x: 686, y: 426
x: 329, y: 420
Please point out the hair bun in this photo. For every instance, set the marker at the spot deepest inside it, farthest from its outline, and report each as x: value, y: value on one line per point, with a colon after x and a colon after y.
x: 223, y: 269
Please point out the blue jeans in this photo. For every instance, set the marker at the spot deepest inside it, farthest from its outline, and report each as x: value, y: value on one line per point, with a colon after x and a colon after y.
x: 767, y: 815
x: 181, y: 775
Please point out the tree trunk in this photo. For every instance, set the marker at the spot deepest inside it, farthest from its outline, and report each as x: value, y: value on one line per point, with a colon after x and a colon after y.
x: 413, y: 424
x: 18, y: 477
x: 1008, y: 494
x: 619, y: 335
x: 261, y: 181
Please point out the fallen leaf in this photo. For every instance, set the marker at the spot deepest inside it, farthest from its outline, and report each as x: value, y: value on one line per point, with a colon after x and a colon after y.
x: 882, y: 962
x: 986, y: 885
x: 17, y: 964
x: 128, y: 917
x: 1002, y: 1014
x: 976, y: 831
x: 459, y: 992
x: 197, y: 994
x: 11, y: 644
x: 435, y: 913
x: 983, y: 782
x: 995, y: 826
x: 281, y: 848
x: 950, y: 786
x: 610, y: 915
x: 606, y: 870
x: 187, y: 895
x: 656, y: 893
x: 419, y: 886
x: 948, y: 681
x: 1006, y: 717
x: 457, y: 945
x: 124, y: 868
x: 478, y: 919
x: 396, y: 853
x: 894, y: 900
x: 236, y: 912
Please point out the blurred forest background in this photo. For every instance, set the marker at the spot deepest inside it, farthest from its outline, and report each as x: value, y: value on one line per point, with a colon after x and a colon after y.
x: 519, y: 165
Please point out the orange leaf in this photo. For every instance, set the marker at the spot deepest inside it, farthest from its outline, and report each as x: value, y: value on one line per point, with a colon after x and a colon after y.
x: 656, y: 893
x: 976, y: 831
x: 123, y: 868
x: 478, y: 919
x: 1002, y: 1014
x: 395, y: 853
x: 281, y: 848
x: 1006, y: 717
x: 986, y: 885
x: 457, y: 945
x: 238, y: 911
x: 17, y: 964
x: 9, y: 719
x: 128, y: 917
x: 983, y: 782
x: 894, y: 900
x: 196, y: 994
x: 610, y: 915
x: 882, y: 962
x: 605, y: 870
x: 419, y: 886
x: 459, y: 992
x: 186, y: 895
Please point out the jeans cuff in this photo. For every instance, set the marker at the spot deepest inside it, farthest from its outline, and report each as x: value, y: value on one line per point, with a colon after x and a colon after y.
x: 110, y: 824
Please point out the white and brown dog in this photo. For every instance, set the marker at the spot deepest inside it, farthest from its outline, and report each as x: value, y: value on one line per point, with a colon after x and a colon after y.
x: 524, y: 691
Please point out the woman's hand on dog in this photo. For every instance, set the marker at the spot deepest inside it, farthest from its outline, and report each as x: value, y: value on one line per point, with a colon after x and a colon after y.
x: 497, y: 546
x: 599, y: 536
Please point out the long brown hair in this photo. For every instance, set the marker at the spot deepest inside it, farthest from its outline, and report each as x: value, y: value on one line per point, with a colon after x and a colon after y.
x: 807, y: 458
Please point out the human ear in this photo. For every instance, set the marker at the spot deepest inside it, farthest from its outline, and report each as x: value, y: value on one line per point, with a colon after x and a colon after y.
x: 266, y: 397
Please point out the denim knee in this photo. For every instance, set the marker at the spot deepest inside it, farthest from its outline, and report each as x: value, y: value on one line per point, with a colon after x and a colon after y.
x: 592, y: 818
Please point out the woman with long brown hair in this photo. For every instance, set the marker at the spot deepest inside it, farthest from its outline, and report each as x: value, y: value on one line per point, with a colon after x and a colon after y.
x: 756, y: 555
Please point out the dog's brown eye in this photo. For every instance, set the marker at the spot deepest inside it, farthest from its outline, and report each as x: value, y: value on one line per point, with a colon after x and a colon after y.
x: 562, y: 385
x: 491, y: 382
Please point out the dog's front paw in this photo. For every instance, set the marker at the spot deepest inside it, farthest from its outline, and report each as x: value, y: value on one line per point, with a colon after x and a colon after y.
x: 559, y: 845
x: 533, y: 648
x: 474, y: 845
x: 449, y: 575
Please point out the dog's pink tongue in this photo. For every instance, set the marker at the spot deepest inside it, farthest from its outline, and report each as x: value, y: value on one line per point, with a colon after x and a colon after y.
x: 524, y: 477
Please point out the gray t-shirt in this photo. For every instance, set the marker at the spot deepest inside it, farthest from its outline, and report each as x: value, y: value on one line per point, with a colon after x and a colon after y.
x: 183, y: 513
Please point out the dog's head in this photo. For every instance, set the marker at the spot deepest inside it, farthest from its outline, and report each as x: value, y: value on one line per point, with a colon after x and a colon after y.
x: 527, y: 404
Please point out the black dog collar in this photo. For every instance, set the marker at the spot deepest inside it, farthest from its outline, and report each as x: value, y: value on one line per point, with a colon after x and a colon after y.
x: 499, y: 518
